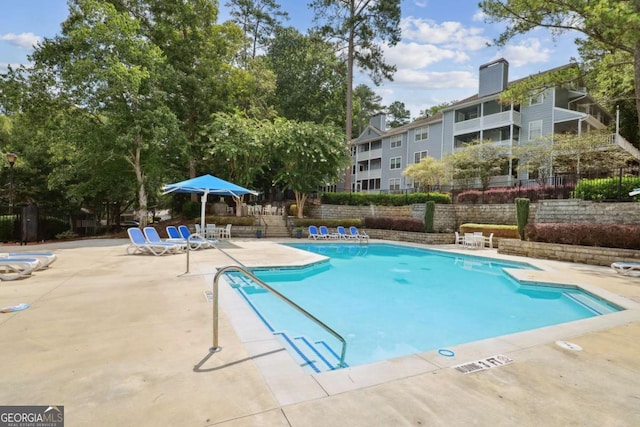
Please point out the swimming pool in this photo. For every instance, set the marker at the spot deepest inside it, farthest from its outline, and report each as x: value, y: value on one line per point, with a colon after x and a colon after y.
x: 390, y: 300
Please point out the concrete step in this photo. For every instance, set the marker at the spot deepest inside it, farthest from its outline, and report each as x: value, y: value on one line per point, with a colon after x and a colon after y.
x: 277, y: 231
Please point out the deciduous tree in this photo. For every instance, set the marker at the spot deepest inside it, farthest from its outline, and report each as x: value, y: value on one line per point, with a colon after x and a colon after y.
x: 479, y: 160
x: 430, y: 172
x: 311, y: 155
x: 106, y: 68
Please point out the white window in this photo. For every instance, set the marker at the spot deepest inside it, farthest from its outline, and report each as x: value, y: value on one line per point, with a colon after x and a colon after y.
x: 396, y: 141
x: 536, y: 99
x: 535, y: 129
x: 419, y: 155
x: 395, y: 163
x: 422, y: 133
x: 394, y: 184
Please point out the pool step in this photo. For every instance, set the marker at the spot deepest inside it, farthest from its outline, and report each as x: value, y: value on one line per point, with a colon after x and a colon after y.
x: 313, y: 356
x: 592, y: 304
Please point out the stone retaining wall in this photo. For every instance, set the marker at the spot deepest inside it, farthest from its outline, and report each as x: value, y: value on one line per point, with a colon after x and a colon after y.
x: 449, y: 217
x: 583, y: 211
x: 408, y: 236
x: 569, y: 253
x: 325, y: 211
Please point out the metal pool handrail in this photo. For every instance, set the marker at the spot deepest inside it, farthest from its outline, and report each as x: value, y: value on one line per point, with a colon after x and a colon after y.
x: 242, y: 270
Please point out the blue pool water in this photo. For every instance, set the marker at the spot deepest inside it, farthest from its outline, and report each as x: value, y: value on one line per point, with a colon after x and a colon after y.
x: 389, y: 300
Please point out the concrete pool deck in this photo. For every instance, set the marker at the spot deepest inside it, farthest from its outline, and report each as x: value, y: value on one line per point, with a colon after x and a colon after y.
x: 124, y: 340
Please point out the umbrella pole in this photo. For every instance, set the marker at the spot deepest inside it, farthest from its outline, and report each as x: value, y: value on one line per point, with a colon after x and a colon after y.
x: 202, y: 212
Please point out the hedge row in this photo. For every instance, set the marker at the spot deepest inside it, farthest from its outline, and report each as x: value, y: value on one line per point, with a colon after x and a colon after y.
x: 366, y: 199
x: 394, y: 223
x: 606, y: 188
x: 600, y: 235
x: 510, y: 194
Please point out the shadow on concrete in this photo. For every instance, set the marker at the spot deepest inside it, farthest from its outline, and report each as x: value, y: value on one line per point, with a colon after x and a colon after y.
x: 198, y: 366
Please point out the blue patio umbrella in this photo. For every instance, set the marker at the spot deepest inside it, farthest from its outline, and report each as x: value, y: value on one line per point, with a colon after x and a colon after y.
x: 205, y: 185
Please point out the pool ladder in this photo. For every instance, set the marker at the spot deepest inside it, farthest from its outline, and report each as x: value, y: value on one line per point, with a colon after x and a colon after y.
x: 242, y: 270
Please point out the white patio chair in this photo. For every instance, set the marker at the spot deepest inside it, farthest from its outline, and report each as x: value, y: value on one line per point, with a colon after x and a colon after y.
x: 225, y: 233
x: 211, y: 232
x: 459, y: 239
x: 488, y: 240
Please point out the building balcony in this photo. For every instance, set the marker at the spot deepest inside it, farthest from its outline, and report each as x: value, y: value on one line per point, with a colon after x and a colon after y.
x: 370, y: 154
x: 506, y: 118
x: 369, y: 174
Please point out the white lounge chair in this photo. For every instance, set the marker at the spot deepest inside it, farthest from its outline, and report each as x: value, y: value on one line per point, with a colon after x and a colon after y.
x: 626, y: 268
x: 174, y: 235
x: 46, y: 258
x: 324, y: 233
x: 358, y: 234
x: 139, y: 244
x: 17, y: 268
x: 195, y: 241
x: 313, y: 233
x: 459, y: 239
x: 153, y: 237
x: 342, y: 233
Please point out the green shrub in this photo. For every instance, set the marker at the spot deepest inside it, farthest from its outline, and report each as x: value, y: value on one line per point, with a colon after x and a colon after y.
x: 366, y: 199
x: 53, y: 227
x: 429, y: 211
x: 66, y: 235
x: 606, y: 189
x: 233, y: 220
x: 522, y: 215
x: 191, y: 209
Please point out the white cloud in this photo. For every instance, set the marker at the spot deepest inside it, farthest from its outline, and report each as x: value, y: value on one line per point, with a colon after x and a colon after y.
x: 449, y: 34
x: 23, y: 40
x: 479, y: 16
x: 436, y: 80
x: 415, y: 55
x: 4, y: 66
x: 529, y: 51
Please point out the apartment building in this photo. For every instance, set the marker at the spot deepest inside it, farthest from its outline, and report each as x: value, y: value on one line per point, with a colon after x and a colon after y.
x: 379, y: 155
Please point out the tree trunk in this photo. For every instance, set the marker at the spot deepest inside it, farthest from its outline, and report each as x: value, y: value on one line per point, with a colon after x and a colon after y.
x: 238, y: 201
x: 349, y: 112
x: 301, y: 199
x: 142, y: 192
x: 636, y: 76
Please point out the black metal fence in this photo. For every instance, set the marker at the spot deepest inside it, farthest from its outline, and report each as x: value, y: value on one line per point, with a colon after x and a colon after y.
x: 603, y: 185
x: 27, y: 223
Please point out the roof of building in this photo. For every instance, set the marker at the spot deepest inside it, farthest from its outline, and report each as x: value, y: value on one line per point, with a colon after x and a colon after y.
x: 438, y: 116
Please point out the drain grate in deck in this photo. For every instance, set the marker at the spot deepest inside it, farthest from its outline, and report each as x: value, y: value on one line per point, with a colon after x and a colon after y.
x: 208, y: 295
x: 483, y: 364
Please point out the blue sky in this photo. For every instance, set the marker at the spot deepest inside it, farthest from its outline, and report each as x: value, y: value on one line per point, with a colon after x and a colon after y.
x: 443, y: 45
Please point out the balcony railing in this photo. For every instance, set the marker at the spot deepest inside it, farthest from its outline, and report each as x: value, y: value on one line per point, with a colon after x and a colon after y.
x: 491, y: 121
